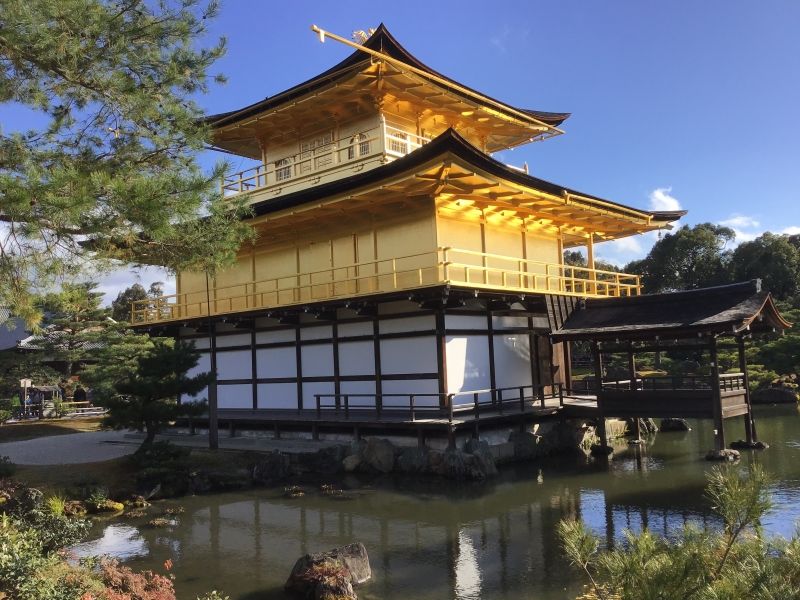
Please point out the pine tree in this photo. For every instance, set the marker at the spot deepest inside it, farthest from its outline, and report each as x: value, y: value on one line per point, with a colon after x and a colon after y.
x: 111, y: 175
x: 146, y: 397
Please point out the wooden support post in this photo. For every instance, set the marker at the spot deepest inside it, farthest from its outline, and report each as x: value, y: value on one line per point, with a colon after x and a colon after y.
x: 276, y: 431
x: 590, y: 264
x: 567, y: 370
x: 314, y: 431
x: 716, y: 398
x: 598, y: 376
x: 231, y: 429
x: 357, y: 433
x: 749, y: 422
x: 420, y: 438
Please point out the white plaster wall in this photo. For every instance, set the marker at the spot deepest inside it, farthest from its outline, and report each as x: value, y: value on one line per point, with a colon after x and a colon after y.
x: 509, y: 322
x: 403, y: 324
x: 238, y: 339
x: 353, y: 329
x: 317, y: 360
x: 467, y: 365
x: 278, y: 335
x: 408, y: 355
x: 465, y: 322
x: 276, y: 362
x: 512, y: 365
x: 234, y: 365
x: 235, y: 396
x: 356, y: 358
x: 199, y: 343
x: 316, y: 333
x: 277, y: 395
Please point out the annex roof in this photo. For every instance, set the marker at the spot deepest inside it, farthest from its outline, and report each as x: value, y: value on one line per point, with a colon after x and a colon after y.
x: 342, y: 87
x: 726, y: 309
x: 464, y: 179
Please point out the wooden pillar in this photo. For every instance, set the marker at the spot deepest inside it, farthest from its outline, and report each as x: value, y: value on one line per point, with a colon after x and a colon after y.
x: 637, y: 429
x: 441, y: 356
x: 590, y: 264
x: 749, y: 422
x: 716, y: 398
x: 490, y: 336
x: 213, y: 432
x: 567, y: 368
x: 598, y: 376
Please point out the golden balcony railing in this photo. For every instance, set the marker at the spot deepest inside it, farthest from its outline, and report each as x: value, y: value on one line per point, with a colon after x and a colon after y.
x: 382, y: 140
x: 444, y: 266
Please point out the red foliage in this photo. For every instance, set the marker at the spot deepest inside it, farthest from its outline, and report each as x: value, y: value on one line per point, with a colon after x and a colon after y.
x: 124, y: 584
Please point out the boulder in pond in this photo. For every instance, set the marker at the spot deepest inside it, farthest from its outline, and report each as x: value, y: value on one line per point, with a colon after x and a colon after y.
x: 379, y: 454
x: 674, y: 425
x: 774, y: 395
x: 725, y: 455
x: 412, y: 460
x: 351, y: 463
x: 271, y: 468
x: 330, y: 574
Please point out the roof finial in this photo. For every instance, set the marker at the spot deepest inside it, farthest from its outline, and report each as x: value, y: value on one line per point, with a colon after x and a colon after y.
x: 360, y: 36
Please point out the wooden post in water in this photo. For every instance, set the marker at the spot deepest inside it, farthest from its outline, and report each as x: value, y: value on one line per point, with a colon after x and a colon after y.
x: 598, y: 376
x: 749, y: 422
x: 637, y: 429
x: 716, y: 397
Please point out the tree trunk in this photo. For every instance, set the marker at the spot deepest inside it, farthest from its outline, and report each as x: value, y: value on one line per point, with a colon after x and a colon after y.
x: 150, y: 434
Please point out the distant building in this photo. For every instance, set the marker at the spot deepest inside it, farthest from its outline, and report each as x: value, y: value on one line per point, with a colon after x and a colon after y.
x: 12, y: 330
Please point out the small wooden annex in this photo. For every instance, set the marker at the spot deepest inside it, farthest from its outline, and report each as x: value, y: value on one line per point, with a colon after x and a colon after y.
x: 398, y: 265
x: 698, y: 322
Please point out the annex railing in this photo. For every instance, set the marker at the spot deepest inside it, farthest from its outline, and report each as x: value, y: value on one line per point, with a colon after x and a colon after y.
x: 449, y: 406
x: 728, y: 382
x: 443, y: 266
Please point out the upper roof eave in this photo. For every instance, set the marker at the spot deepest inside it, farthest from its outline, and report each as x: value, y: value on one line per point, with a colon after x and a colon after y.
x: 382, y: 41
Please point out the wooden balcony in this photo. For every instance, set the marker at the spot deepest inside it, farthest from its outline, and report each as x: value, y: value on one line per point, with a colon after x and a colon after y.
x: 451, y: 266
x: 377, y: 145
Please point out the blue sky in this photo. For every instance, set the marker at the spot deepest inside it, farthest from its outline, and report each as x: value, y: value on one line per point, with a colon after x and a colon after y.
x: 674, y: 103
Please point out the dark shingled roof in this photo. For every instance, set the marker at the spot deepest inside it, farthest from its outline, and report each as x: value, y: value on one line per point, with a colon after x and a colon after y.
x: 381, y: 41
x: 722, y: 309
x: 449, y: 142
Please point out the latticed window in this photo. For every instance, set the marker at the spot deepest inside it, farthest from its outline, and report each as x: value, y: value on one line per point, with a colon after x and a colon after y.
x: 283, y: 169
x: 398, y: 143
x: 359, y: 146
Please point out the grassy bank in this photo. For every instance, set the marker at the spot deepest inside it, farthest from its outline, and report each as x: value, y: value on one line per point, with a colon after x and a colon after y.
x: 29, y: 430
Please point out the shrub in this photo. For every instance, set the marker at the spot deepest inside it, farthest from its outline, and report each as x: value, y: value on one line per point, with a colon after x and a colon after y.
x: 56, y: 504
x: 736, y: 561
x: 124, y: 584
x: 214, y: 595
x: 7, y: 468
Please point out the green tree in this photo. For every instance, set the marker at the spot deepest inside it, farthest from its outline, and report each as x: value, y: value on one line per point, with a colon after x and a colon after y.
x: 147, y: 397
x: 735, y: 561
x: 772, y: 258
x: 73, y: 326
x: 121, y: 306
x: 111, y: 174
x: 691, y: 257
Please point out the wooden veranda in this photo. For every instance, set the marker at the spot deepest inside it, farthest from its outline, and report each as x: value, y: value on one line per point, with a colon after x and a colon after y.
x: 698, y: 322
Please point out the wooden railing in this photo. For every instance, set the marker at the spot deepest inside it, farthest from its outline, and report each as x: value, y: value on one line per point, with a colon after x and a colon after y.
x: 498, y: 401
x: 383, y: 139
x: 727, y: 382
x: 443, y: 266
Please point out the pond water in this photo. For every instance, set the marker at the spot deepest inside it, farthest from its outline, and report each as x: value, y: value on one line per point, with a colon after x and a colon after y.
x: 433, y: 539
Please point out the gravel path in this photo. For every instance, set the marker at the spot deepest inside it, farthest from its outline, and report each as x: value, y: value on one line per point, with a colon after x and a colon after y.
x: 70, y: 449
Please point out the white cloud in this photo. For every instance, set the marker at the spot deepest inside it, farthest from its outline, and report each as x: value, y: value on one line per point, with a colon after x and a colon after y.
x: 662, y: 199
x: 737, y: 221
x: 793, y: 230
